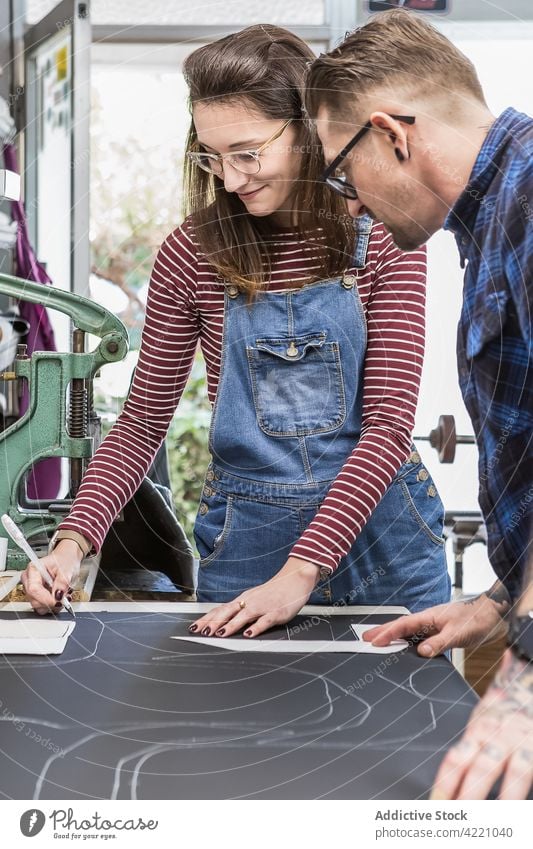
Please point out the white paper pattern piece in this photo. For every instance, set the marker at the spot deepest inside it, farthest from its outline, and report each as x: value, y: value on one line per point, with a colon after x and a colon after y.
x: 34, y: 636
x: 295, y: 646
x: 395, y: 645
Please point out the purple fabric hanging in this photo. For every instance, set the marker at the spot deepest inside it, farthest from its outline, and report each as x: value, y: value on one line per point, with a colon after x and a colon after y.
x: 44, y: 480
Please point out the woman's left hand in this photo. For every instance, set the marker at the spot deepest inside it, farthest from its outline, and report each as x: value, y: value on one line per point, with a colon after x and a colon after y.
x: 262, y: 607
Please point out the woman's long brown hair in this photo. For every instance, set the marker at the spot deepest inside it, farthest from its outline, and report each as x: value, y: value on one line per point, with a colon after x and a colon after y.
x: 264, y: 67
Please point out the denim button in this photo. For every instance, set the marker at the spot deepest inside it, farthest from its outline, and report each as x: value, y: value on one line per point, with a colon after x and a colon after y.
x: 203, y: 509
x: 232, y: 291
x: 348, y: 281
x: 208, y: 491
x: 210, y: 475
x: 414, y: 457
x: 432, y: 491
x: 423, y: 475
x: 292, y: 350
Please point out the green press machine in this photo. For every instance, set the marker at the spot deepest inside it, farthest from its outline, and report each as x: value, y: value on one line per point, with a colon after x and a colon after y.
x: 60, y: 420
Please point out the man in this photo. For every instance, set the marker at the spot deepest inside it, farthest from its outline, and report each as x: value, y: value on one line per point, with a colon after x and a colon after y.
x: 428, y: 154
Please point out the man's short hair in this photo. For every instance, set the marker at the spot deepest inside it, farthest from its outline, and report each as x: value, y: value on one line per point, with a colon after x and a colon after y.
x: 396, y: 51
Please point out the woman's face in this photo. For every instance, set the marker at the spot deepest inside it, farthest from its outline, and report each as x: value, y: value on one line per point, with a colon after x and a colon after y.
x: 225, y: 128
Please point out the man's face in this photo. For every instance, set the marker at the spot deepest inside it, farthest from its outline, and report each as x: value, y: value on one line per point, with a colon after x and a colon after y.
x: 388, y: 190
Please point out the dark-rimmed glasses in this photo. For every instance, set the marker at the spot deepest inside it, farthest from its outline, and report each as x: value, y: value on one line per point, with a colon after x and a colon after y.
x: 245, y: 161
x: 339, y: 182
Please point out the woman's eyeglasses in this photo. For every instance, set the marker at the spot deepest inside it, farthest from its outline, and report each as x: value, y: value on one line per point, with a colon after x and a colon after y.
x: 245, y: 161
x: 334, y: 177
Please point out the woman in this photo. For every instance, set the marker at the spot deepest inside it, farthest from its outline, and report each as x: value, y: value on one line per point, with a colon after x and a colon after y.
x: 313, y: 350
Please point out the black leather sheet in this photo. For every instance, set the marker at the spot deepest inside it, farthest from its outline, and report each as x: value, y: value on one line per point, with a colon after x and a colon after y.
x: 126, y: 712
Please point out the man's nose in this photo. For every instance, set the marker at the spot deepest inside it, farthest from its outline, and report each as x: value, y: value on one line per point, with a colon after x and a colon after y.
x: 354, y: 207
x: 234, y: 181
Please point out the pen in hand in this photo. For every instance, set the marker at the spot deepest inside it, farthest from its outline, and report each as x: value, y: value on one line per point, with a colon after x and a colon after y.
x: 18, y: 537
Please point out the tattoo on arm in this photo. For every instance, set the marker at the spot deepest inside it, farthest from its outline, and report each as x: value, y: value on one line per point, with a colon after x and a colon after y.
x: 498, y: 594
x: 514, y: 680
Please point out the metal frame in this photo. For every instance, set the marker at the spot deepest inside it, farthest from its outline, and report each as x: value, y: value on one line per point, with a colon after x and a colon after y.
x: 12, y: 90
x: 188, y: 33
x: 74, y: 15
x: 340, y: 16
x: 80, y: 154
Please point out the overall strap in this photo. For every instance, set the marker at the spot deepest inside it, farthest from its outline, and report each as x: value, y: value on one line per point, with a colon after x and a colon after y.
x: 363, y: 229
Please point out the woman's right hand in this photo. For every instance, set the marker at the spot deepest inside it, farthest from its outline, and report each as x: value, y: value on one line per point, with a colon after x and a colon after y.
x: 63, y: 565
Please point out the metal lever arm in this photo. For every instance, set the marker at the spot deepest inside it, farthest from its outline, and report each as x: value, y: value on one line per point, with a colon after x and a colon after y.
x: 85, y: 314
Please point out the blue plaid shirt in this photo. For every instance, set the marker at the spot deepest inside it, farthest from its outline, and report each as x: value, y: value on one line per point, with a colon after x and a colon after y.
x: 493, y: 224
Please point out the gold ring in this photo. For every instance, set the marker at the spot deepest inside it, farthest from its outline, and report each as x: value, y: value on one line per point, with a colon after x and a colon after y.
x: 242, y: 604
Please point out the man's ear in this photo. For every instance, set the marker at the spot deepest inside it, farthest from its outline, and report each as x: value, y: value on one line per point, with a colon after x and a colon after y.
x: 393, y: 132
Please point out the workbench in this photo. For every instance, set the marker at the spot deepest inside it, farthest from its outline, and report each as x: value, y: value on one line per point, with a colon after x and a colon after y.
x: 128, y: 713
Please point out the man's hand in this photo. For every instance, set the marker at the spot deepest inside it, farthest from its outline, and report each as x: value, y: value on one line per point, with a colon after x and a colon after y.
x: 445, y: 626
x: 498, y: 741
x: 262, y: 607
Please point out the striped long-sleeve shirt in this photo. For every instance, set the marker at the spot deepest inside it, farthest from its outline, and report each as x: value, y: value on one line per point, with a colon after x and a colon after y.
x: 185, y: 308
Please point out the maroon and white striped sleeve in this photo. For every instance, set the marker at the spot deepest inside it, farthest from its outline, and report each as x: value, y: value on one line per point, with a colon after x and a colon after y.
x: 393, y: 366
x: 169, y: 339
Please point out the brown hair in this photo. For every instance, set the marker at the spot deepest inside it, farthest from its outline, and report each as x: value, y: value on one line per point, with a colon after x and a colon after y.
x: 263, y: 65
x: 396, y: 49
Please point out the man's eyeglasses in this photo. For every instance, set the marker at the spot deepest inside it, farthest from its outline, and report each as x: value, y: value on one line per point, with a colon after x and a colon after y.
x: 334, y: 178
x: 245, y: 161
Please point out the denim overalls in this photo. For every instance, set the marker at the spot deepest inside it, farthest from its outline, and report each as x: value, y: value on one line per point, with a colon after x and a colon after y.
x: 286, y: 416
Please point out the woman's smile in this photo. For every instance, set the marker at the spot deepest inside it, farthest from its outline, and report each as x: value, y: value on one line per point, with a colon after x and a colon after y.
x: 244, y: 196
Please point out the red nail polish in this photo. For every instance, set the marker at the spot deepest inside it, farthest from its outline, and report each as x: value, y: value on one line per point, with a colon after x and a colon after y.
x: 221, y: 632
x: 193, y: 628
x: 59, y: 595
x: 248, y: 633
x: 206, y: 631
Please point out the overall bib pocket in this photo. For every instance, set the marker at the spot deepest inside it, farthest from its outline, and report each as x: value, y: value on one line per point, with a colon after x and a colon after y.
x: 297, y: 385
